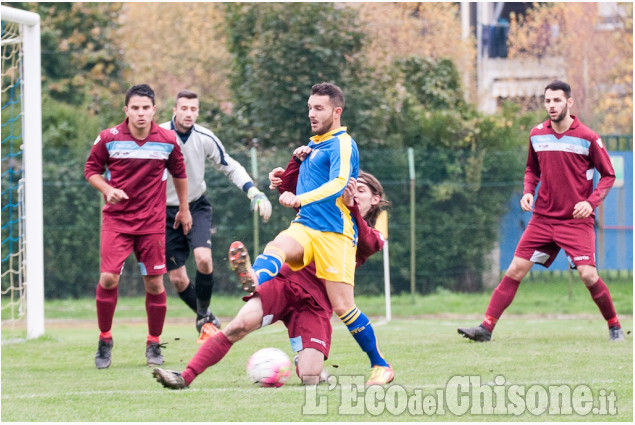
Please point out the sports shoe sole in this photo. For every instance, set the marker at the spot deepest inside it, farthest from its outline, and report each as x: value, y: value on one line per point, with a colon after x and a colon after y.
x: 241, y: 265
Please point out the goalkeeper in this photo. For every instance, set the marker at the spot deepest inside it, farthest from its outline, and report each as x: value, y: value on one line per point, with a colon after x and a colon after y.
x: 198, y: 144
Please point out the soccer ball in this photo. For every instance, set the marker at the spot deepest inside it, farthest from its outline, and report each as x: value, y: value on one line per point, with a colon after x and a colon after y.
x: 269, y: 367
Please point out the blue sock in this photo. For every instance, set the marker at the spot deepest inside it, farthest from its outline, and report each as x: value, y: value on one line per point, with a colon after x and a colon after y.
x: 268, y: 264
x: 359, y: 326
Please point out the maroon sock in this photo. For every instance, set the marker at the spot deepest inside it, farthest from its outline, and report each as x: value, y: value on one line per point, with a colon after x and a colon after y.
x: 210, y: 353
x: 106, y: 300
x: 156, y: 307
x: 502, y: 297
x: 602, y: 297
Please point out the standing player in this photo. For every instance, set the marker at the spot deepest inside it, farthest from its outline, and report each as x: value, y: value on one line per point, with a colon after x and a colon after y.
x: 563, y: 154
x: 297, y: 298
x: 198, y: 144
x: 136, y: 156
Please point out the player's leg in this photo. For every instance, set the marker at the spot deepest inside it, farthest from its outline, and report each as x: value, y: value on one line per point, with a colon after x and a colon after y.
x: 535, y: 246
x: 115, y: 248
x: 248, y: 319
x: 578, y: 243
x: 204, y: 286
x: 501, y: 298
x: 342, y: 299
x: 310, y: 366
x: 151, y: 257
x: 177, y: 251
x: 602, y: 297
x: 284, y: 248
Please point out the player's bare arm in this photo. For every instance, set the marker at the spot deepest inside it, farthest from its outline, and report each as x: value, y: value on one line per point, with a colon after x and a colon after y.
x: 527, y: 202
x: 582, y: 209
x: 112, y: 195
x: 183, y: 216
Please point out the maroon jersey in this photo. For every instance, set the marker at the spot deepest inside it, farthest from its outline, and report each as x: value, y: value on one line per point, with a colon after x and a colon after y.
x: 139, y: 168
x: 564, y: 165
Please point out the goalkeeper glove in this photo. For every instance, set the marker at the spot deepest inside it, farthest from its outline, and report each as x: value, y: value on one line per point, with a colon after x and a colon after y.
x: 259, y: 203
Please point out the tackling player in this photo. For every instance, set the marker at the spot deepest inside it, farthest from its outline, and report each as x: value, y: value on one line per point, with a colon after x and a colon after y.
x: 563, y: 154
x: 136, y: 156
x: 297, y: 298
x: 198, y: 145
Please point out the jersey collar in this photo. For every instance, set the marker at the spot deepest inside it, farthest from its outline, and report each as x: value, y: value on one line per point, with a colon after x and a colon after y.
x: 326, y: 136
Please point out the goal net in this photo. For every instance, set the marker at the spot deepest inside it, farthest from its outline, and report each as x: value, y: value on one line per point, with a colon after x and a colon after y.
x: 22, y: 244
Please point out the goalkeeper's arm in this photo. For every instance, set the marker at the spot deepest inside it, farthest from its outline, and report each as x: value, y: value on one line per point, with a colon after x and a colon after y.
x: 259, y: 203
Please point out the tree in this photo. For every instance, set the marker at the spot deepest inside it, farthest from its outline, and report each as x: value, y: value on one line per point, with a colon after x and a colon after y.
x: 599, y: 59
x: 279, y: 51
x: 176, y: 46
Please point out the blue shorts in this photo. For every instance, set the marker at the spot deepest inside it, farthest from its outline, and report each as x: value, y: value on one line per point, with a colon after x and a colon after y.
x: 177, y: 245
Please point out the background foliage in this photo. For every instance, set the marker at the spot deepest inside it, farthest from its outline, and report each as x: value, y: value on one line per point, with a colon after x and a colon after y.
x: 401, y: 68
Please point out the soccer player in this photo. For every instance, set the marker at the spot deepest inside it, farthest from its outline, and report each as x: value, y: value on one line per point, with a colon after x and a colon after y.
x: 323, y: 229
x: 298, y: 298
x: 136, y: 156
x: 563, y: 154
x: 198, y: 144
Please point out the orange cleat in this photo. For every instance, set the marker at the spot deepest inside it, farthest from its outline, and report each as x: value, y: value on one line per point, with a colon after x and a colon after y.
x: 241, y: 265
x: 380, y: 375
x: 207, y: 331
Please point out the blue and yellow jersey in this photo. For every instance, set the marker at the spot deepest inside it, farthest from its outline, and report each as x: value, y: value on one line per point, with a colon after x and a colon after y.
x: 323, y: 177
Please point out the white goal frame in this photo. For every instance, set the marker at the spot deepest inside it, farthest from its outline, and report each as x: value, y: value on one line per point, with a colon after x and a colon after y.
x: 32, y: 145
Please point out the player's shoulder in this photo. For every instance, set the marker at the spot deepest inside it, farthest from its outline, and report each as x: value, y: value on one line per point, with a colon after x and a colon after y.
x: 204, y: 132
x: 112, y: 133
x: 541, y: 128
x: 164, y: 134
x: 579, y: 129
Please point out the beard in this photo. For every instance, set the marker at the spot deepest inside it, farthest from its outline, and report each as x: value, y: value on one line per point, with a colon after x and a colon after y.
x: 562, y: 115
x: 324, y: 128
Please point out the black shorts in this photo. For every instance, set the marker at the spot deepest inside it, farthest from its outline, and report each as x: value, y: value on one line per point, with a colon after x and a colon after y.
x: 177, y: 245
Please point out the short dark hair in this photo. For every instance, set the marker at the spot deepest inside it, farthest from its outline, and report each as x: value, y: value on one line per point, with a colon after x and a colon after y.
x: 143, y: 90
x: 559, y: 85
x: 188, y: 94
x: 335, y: 94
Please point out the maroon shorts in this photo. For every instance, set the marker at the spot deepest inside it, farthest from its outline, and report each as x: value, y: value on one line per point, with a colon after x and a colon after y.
x: 308, y: 322
x: 543, y: 239
x: 149, y: 250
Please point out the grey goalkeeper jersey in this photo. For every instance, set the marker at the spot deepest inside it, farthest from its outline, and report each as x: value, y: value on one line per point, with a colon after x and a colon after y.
x: 203, y: 144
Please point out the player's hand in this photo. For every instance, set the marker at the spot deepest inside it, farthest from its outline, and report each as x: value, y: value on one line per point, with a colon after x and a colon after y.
x: 349, y: 193
x: 288, y: 199
x: 582, y: 209
x: 259, y: 203
x: 527, y: 202
x: 274, y: 177
x: 184, y: 218
x: 302, y: 152
x: 114, y: 196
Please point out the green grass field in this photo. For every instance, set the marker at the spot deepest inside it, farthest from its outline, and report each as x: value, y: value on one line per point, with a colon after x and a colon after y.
x: 545, y: 340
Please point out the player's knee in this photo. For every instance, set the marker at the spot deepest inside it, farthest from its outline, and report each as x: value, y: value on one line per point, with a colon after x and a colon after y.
x: 238, y: 328
x: 309, y: 372
x: 108, y: 280
x: 589, y: 275
x: 205, y: 266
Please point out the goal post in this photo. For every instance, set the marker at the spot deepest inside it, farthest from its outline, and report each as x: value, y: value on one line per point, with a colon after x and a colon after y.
x: 31, y: 90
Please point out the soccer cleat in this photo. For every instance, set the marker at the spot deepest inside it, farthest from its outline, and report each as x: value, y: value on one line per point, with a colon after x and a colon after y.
x: 478, y: 333
x: 380, y: 375
x: 616, y: 334
x: 169, y: 378
x: 103, y: 355
x: 153, y: 354
x: 207, y: 331
x: 210, y: 318
x: 241, y: 265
